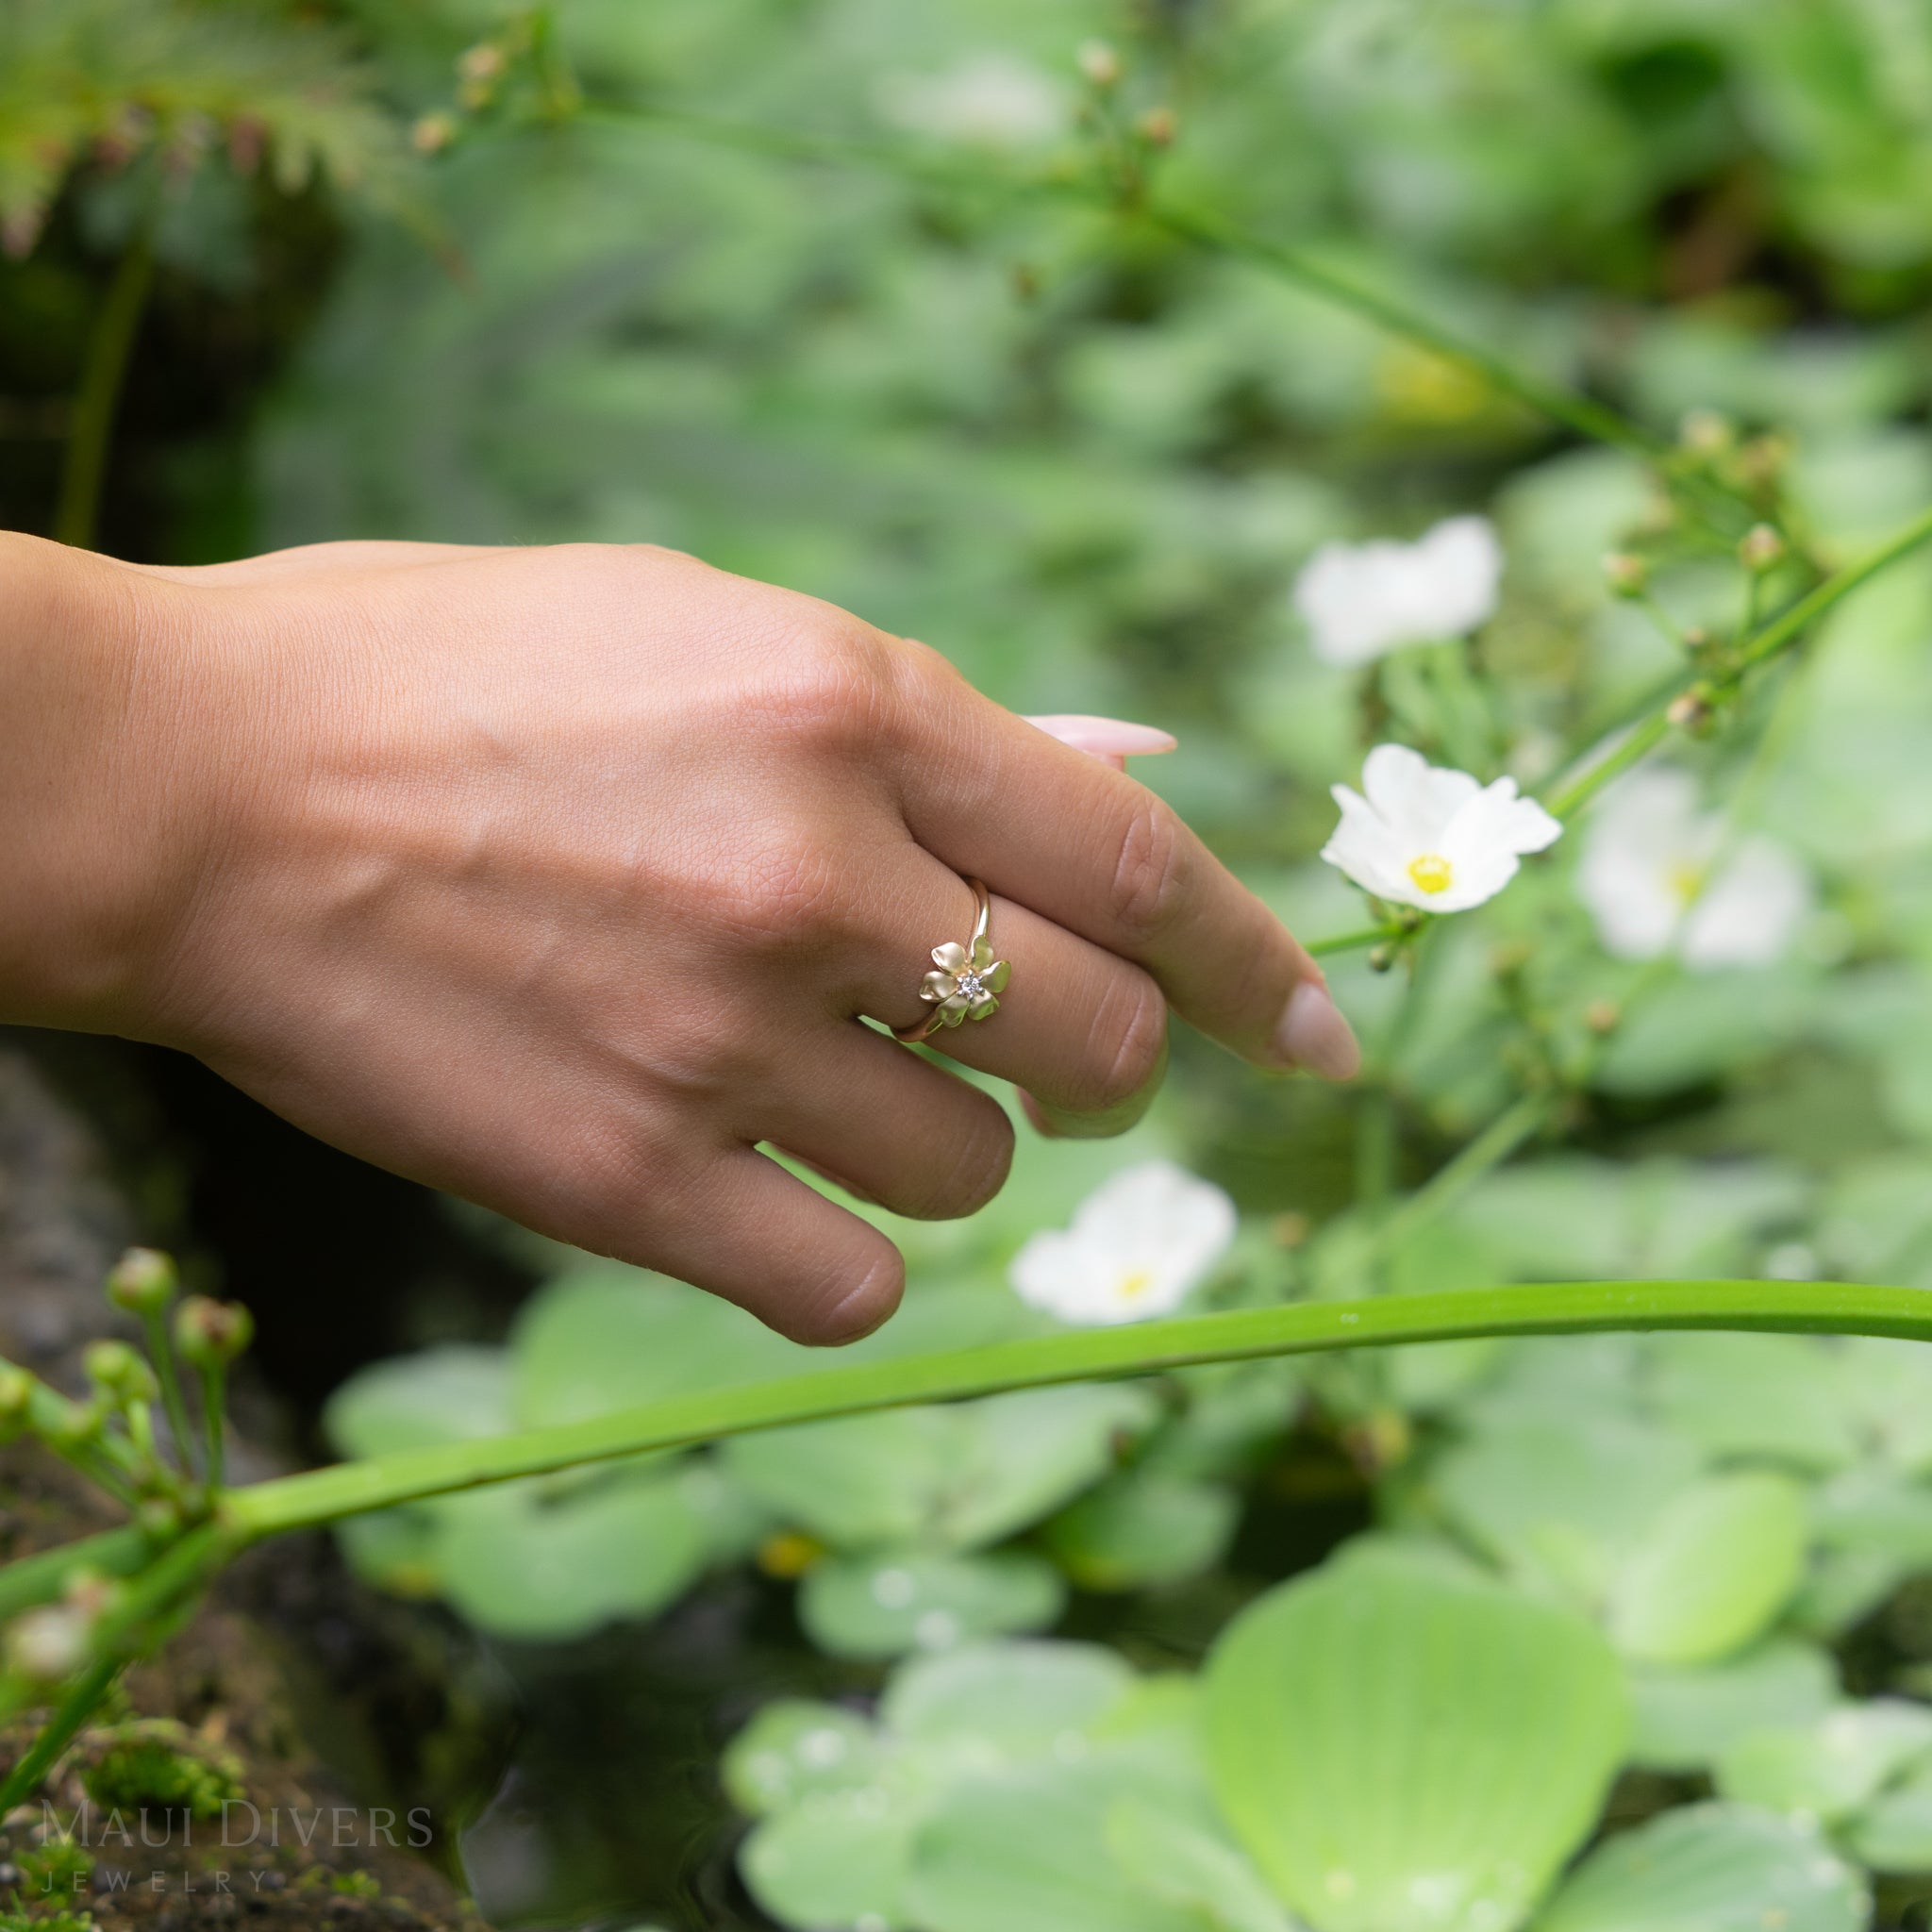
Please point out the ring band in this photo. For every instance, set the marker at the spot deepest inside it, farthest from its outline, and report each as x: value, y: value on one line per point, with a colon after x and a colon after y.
x: 967, y: 981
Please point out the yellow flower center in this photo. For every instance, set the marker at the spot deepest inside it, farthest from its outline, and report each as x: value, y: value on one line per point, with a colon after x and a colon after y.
x: 1685, y: 880
x: 1135, y: 1285
x: 1430, y: 872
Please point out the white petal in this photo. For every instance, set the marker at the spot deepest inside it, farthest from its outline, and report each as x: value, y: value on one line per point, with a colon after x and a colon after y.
x: 1630, y: 897
x: 1497, y: 818
x: 1416, y: 798
x: 1363, y: 848
x: 1750, y: 912
x: 1461, y: 567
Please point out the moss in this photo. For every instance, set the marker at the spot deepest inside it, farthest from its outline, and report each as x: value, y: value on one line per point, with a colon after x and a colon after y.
x: 46, y: 1921
x: 52, y: 1869
x: 155, y: 1765
x: 355, y: 1885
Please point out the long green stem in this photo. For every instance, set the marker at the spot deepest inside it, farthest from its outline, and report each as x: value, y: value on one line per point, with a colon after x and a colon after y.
x: 160, y: 1349
x: 1450, y: 1182
x: 54, y: 1737
x: 44, y: 1575
x: 1300, y: 1328
x: 99, y: 400
x: 1777, y: 636
x: 1350, y: 942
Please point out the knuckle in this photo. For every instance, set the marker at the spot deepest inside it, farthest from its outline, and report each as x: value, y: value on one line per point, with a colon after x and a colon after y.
x: 1127, y: 1047
x: 1151, y: 875
x: 783, y: 896
x: 833, y: 687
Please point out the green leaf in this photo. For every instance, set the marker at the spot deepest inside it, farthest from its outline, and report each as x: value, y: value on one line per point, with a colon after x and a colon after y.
x: 1563, y: 1505
x: 1142, y: 1528
x: 1719, y: 1564
x: 1893, y: 1832
x: 1683, y: 1716
x: 1175, y: 1859
x: 793, y: 1749
x: 1027, y: 1852
x: 1396, y: 1746
x: 840, y: 1859
x: 519, y: 1560
x: 888, y: 1604
x: 605, y: 1337
x: 1014, y: 1700
x: 455, y: 1394
x: 1767, y: 1396
x: 1826, y: 1770
x: 1710, y: 1867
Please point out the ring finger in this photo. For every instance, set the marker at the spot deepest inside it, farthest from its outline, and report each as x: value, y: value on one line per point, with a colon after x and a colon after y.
x: 1082, y: 1030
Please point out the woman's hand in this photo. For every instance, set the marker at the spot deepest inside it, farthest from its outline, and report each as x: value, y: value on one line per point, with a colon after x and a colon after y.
x: 560, y: 879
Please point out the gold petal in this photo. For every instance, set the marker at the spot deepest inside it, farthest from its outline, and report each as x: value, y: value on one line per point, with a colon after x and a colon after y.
x: 935, y: 985
x: 954, y: 1002
x: 949, y: 958
x: 982, y: 953
x: 995, y: 978
x: 985, y: 1007
x: 951, y: 1015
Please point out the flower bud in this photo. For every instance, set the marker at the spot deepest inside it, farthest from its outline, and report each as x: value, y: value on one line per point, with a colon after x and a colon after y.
x: 1158, y: 126
x: 158, y: 1520
x: 1603, y: 1016
x: 211, y: 1334
x: 1627, y: 574
x: 1761, y: 548
x: 1761, y: 464
x: 1707, y: 433
x: 47, y: 1645
x: 16, y: 1395
x: 1099, y: 63
x: 118, y: 1373
x: 1381, y: 957
x: 143, y: 1281
x: 484, y: 61
x: 74, y: 1424
x: 1693, y: 710
x: 432, y: 133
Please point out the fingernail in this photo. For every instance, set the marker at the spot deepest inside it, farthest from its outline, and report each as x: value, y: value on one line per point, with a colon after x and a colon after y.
x: 1112, y: 740
x: 1314, y: 1035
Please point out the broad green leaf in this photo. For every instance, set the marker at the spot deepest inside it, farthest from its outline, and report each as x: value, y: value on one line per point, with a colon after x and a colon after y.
x: 1824, y: 1770
x: 837, y: 1859
x: 393, y: 1549
x: 1766, y: 1396
x: 1002, y: 1701
x: 1718, y: 1565
x: 1399, y: 1747
x: 1183, y: 1864
x: 793, y: 1749
x: 894, y: 1602
x: 1893, y: 1831
x: 605, y: 1337
x: 1027, y: 1852
x: 1710, y: 1867
x: 1142, y: 1528
x: 859, y: 1481
x: 1563, y: 1505
x: 1887, y: 1385
x: 455, y: 1394
x: 519, y: 1561
x: 1029, y: 1451
x: 1683, y: 1716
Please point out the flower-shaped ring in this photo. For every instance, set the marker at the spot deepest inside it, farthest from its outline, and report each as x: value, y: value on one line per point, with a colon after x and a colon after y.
x: 966, y: 982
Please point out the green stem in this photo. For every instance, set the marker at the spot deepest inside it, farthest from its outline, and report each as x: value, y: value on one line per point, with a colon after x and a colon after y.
x: 1450, y: 1182
x: 1349, y: 941
x: 1150, y: 1348
x: 160, y: 1349
x: 214, y: 1413
x: 38, y: 1580
x: 99, y: 398
x: 1298, y: 265
x: 55, y: 1735
x: 1777, y: 636
x: 1200, y: 230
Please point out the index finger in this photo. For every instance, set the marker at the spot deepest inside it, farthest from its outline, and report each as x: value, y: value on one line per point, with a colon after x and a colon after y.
x: 996, y: 798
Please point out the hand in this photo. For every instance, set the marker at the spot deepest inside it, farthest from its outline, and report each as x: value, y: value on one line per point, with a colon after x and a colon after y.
x: 558, y: 878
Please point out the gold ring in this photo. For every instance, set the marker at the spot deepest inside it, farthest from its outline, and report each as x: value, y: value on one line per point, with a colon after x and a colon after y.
x: 967, y: 984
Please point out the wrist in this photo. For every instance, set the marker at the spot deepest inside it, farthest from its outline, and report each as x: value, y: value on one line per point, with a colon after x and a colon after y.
x: 96, y: 861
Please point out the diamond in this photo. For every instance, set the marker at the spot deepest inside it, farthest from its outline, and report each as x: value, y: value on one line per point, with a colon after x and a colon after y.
x: 971, y: 985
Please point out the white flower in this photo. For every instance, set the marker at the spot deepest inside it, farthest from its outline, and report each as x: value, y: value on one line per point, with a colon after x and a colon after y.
x: 1431, y: 838
x: 1646, y: 878
x: 1139, y: 1242
x: 1364, y: 600
x: 992, y: 100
